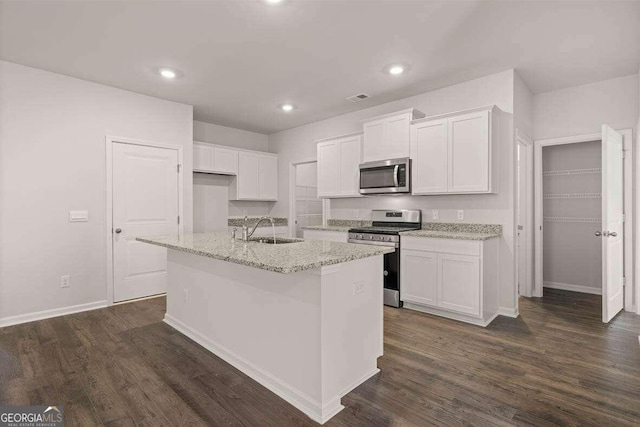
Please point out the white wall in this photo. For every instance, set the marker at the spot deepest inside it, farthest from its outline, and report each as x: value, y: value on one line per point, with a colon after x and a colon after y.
x: 210, y: 192
x: 298, y: 144
x: 583, y: 109
x: 637, y: 223
x: 52, y: 159
x: 523, y: 106
x: 222, y: 135
x: 307, y: 174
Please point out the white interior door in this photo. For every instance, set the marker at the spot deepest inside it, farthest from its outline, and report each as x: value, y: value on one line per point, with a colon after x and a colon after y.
x: 612, y: 224
x: 145, y: 203
x: 521, y: 218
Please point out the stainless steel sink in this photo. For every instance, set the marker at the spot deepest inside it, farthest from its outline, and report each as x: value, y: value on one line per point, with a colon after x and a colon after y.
x: 270, y: 241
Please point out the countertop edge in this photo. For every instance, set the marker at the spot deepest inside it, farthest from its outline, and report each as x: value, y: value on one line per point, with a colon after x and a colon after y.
x: 260, y: 266
x: 426, y: 234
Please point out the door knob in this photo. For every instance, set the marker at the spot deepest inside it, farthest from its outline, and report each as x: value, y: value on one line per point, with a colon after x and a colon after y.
x: 118, y: 230
x: 612, y: 234
x: 598, y: 233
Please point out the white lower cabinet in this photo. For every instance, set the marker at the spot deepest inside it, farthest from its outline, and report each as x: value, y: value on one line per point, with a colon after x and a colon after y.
x: 422, y: 268
x: 451, y: 278
x: 459, y: 285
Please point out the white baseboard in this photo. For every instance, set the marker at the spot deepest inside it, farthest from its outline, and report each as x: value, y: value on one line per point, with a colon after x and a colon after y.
x: 509, y: 312
x: 574, y: 288
x: 47, y: 314
x: 473, y: 320
x: 311, y: 407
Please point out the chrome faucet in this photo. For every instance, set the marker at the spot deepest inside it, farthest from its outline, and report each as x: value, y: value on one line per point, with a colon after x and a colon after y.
x: 246, y: 235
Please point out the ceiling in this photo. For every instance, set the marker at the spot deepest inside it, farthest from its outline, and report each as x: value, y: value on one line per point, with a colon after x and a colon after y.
x: 239, y: 60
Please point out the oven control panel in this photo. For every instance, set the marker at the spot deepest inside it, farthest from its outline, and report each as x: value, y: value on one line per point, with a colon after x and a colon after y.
x: 374, y: 237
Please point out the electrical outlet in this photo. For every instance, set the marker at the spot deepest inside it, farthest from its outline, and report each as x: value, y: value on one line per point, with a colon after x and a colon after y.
x: 65, y: 281
x: 358, y: 288
x: 460, y: 214
x: 435, y: 214
x: 185, y: 295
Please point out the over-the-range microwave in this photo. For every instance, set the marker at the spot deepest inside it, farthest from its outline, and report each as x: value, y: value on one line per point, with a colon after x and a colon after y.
x: 386, y: 176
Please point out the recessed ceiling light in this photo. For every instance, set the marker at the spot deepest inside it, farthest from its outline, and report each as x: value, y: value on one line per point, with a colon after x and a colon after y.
x: 273, y: 1
x: 167, y: 73
x: 287, y: 107
x: 396, y: 69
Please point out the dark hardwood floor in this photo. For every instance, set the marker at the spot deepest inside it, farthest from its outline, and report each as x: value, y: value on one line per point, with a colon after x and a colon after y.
x: 557, y: 364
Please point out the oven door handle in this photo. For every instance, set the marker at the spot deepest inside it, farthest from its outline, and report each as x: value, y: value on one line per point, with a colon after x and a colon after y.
x: 396, y: 168
x: 373, y: 243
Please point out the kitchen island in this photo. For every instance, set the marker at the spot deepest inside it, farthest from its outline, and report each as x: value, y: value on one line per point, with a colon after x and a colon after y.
x: 303, y: 318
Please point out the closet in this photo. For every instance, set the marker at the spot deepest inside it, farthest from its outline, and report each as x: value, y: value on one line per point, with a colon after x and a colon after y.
x: 572, y: 211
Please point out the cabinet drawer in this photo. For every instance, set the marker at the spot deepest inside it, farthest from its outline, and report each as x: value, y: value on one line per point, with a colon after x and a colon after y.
x: 450, y: 246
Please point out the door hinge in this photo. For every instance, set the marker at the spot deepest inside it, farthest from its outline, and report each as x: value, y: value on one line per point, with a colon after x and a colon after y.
x: 624, y: 282
x: 179, y: 167
x: 178, y: 219
x: 624, y: 218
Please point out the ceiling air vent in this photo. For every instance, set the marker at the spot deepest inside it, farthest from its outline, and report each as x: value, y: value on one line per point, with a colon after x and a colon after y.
x: 359, y: 97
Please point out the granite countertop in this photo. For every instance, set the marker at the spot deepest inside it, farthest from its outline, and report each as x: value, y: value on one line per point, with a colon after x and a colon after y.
x: 435, y: 234
x: 339, y: 225
x: 280, y: 258
x: 454, y: 230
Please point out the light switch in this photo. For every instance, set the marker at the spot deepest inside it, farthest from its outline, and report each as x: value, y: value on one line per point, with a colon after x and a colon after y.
x: 78, y: 216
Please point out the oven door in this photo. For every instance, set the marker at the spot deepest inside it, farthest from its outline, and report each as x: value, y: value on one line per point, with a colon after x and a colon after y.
x: 388, y: 176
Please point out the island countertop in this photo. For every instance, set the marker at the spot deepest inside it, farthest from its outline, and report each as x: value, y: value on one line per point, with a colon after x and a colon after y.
x: 280, y: 258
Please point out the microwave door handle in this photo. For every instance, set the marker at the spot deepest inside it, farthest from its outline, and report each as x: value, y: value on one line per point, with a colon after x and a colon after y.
x: 395, y: 175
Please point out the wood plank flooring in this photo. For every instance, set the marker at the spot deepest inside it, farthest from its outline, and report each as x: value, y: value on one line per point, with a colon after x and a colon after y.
x: 557, y: 364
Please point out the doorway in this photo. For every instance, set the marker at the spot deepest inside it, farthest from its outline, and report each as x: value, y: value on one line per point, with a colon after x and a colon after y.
x: 583, y: 243
x: 305, y: 208
x: 144, y: 197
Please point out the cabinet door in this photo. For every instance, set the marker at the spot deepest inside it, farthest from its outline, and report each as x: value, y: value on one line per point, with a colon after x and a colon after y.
x: 469, y: 153
x: 349, y: 158
x: 419, y: 277
x: 374, y: 140
x: 268, y: 177
x: 327, y: 169
x: 225, y: 161
x: 202, y: 157
x: 397, y: 138
x: 429, y: 157
x: 459, y: 283
x: 248, y: 172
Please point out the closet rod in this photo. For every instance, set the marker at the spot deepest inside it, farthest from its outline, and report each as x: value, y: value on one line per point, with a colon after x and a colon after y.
x: 572, y: 196
x: 572, y: 172
x: 571, y: 219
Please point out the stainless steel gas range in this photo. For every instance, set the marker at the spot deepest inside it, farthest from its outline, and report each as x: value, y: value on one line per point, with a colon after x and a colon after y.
x: 385, y: 231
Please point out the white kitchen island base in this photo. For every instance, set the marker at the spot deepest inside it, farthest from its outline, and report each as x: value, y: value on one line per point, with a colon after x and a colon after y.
x: 310, y: 337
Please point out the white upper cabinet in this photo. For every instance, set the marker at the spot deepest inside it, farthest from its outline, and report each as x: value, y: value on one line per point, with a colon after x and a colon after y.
x: 469, y: 152
x: 387, y: 137
x: 215, y: 159
x: 268, y: 177
x: 456, y: 153
x: 225, y: 161
x: 257, y: 177
x: 429, y: 154
x: 338, y: 166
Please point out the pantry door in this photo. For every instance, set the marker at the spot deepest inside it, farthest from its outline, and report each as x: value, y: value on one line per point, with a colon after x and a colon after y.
x: 145, y: 203
x: 612, y: 224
